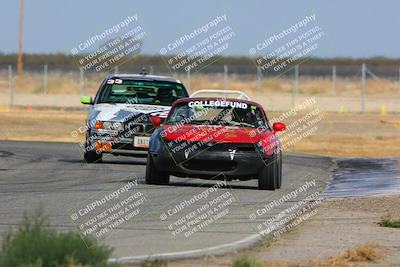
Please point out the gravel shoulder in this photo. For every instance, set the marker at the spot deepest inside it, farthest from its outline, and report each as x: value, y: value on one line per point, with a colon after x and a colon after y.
x: 338, y: 225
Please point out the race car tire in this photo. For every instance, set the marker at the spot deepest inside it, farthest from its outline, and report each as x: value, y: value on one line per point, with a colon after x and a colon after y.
x: 93, y: 157
x: 154, y: 176
x: 279, y: 172
x: 267, y: 178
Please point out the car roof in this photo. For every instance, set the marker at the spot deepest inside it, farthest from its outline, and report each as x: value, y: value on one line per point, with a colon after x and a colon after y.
x: 144, y: 77
x: 188, y: 99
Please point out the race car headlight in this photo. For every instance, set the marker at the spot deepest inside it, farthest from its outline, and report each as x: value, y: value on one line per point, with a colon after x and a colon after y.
x: 118, y: 126
x: 110, y: 125
x: 107, y: 125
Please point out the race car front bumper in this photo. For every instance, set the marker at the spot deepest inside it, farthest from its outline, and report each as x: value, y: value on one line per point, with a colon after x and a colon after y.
x: 224, y: 162
x: 117, y: 143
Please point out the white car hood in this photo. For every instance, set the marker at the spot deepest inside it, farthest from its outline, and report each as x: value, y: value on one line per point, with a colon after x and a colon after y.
x: 119, y: 112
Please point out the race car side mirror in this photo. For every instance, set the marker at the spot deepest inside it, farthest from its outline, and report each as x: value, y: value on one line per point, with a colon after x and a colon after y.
x: 87, y: 100
x: 157, y: 121
x: 279, y: 126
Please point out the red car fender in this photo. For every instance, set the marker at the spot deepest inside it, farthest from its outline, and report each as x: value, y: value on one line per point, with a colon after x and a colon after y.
x: 267, y: 142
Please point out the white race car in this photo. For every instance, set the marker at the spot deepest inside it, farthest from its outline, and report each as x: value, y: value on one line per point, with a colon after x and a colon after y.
x: 120, y: 116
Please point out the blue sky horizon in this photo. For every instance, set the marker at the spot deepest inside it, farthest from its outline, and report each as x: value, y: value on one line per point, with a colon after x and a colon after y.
x: 353, y: 29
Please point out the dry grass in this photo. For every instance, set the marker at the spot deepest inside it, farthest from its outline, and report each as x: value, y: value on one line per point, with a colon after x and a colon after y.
x: 370, y: 252
x: 395, y: 123
x: 41, y: 125
x: 308, y: 86
x: 58, y: 83
x: 339, y: 134
x: 353, y: 135
x: 68, y: 83
x: 281, y: 264
x: 354, y: 256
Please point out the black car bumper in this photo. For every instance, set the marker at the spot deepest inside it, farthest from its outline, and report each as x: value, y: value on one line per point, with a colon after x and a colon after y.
x: 215, y: 162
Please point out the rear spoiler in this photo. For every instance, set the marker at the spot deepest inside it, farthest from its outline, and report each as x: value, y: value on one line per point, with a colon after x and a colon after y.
x: 240, y: 95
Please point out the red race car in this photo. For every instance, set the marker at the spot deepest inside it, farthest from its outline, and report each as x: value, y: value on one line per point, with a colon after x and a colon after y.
x: 216, y: 138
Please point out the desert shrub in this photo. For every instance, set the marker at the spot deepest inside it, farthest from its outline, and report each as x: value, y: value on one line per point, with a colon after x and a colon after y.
x: 34, y: 244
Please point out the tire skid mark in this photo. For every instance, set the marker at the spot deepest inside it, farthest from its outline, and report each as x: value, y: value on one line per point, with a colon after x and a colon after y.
x: 356, y: 177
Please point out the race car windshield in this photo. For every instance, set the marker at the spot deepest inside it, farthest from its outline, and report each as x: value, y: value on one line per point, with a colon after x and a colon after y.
x: 217, y: 113
x: 141, y: 92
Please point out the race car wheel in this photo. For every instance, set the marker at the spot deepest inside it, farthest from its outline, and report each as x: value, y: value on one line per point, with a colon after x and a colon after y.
x: 154, y: 176
x: 268, y: 176
x: 93, y: 157
x: 279, y: 171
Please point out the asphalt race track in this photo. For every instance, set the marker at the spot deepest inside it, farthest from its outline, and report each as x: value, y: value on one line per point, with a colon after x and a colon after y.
x: 54, y: 176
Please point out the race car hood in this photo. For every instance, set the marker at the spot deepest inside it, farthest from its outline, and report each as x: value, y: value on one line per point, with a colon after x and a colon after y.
x: 120, y: 112
x: 217, y: 133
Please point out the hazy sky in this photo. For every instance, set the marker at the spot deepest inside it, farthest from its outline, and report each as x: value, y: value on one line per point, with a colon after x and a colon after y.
x: 352, y: 28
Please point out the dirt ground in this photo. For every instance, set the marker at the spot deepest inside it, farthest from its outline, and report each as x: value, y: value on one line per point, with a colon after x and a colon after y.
x: 338, y: 134
x: 342, y: 233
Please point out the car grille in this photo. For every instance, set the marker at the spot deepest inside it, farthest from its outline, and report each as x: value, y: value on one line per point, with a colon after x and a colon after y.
x: 138, y: 125
x: 210, y: 165
x: 227, y: 146
x: 182, y: 145
x: 135, y: 129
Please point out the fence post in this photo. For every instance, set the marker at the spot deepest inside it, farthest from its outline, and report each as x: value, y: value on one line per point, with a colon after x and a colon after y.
x: 295, y: 89
x: 258, y: 79
x: 151, y: 70
x: 399, y: 81
x: 225, y: 76
x: 334, y: 79
x: 10, y: 86
x: 293, y: 95
x: 188, y: 79
x: 81, y: 81
x: 363, y: 70
x: 296, y: 79
x: 116, y: 69
x: 45, y: 79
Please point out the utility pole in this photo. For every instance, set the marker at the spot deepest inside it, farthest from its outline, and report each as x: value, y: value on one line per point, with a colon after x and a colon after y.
x: 20, y: 64
x: 363, y: 70
x: 10, y: 85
